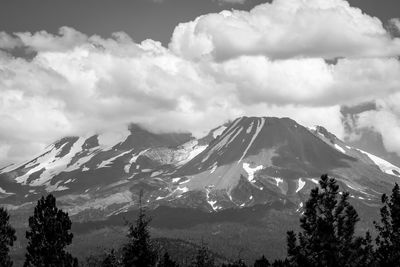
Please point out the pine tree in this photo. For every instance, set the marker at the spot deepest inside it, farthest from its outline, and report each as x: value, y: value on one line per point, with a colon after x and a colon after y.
x: 388, y: 239
x: 281, y: 263
x: 203, y: 258
x: 7, y: 238
x: 110, y: 260
x: 328, y: 225
x: 139, y: 251
x: 166, y: 261
x: 262, y: 262
x: 48, y: 236
x: 237, y: 263
x: 366, y: 255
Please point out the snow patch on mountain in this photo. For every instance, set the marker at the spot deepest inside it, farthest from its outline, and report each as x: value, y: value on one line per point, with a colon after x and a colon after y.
x: 175, y: 180
x: 56, y: 187
x: 229, y: 139
x: 183, y: 189
x: 14, y: 167
x: 300, y: 207
x: 260, y: 125
x: 95, y: 203
x: 383, y: 165
x: 214, y: 168
x: 300, y: 185
x: 250, y: 128
x: 2, y: 191
x: 340, y: 148
x: 81, y: 161
x: 52, y: 165
x: 251, y: 171
x: 108, y: 140
x: 47, y: 161
x: 225, y: 139
x: 191, y: 150
x: 108, y: 162
x: 133, y: 159
x: 278, y: 181
x: 211, y: 202
x: 217, y: 132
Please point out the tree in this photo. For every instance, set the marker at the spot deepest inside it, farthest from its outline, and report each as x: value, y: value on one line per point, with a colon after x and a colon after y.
x: 110, y: 260
x: 48, y: 236
x: 262, y: 262
x: 7, y: 238
x: 328, y: 224
x: 166, y: 261
x: 105, y: 259
x: 388, y: 239
x: 139, y: 251
x: 203, y: 258
x: 237, y: 263
x: 281, y: 263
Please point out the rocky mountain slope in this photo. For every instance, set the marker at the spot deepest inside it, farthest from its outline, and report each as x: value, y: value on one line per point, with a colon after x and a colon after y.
x: 243, y: 163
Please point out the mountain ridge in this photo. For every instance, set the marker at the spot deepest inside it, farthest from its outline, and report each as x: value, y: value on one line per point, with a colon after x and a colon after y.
x: 249, y: 161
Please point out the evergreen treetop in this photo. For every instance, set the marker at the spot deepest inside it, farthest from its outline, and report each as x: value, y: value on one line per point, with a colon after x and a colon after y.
x: 48, y: 235
x: 388, y: 239
x: 139, y: 251
x: 7, y: 238
x: 328, y: 225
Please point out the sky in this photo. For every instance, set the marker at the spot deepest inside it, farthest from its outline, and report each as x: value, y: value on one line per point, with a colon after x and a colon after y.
x: 71, y: 67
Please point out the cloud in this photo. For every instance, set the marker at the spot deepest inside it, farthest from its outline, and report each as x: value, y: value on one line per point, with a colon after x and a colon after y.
x: 286, y: 29
x: 385, y: 119
x: 266, y: 62
x: 43, y: 41
x: 8, y: 42
x: 223, y: 2
x: 394, y: 26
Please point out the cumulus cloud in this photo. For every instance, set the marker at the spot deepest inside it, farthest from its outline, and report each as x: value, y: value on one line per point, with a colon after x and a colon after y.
x: 286, y: 29
x: 394, y: 26
x: 385, y: 119
x: 266, y: 62
x: 8, y: 42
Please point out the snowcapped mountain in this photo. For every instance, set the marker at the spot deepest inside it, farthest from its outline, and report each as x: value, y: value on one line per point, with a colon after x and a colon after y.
x: 240, y: 164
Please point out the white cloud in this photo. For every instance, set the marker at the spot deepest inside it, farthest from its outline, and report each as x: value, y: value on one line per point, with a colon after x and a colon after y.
x: 43, y: 41
x: 385, y: 120
x: 8, y: 42
x: 266, y: 62
x: 395, y: 22
x: 286, y: 29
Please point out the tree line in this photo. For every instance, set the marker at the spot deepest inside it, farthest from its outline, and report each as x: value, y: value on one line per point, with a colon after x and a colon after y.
x: 327, y: 237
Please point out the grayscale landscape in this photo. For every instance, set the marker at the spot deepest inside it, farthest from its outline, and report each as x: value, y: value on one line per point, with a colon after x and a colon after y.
x: 200, y: 133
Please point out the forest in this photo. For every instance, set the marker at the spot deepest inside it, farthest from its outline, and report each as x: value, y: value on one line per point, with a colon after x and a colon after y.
x: 327, y: 238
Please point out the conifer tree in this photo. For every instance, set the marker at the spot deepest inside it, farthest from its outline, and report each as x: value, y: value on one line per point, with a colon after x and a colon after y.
x: 388, y: 239
x: 203, y: 258
x: 110, y: 260
x: 262, y: 262
x: 281, y: 263
x: 166, y: 261
x: 328, y: 225
x: 7, y: 238
x: 139, y: 251
x: 48, y: 236
x: 237, y: 263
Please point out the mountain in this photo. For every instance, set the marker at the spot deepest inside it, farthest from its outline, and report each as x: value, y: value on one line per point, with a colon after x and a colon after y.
x: 243, y: 178
x: 240, y: 164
